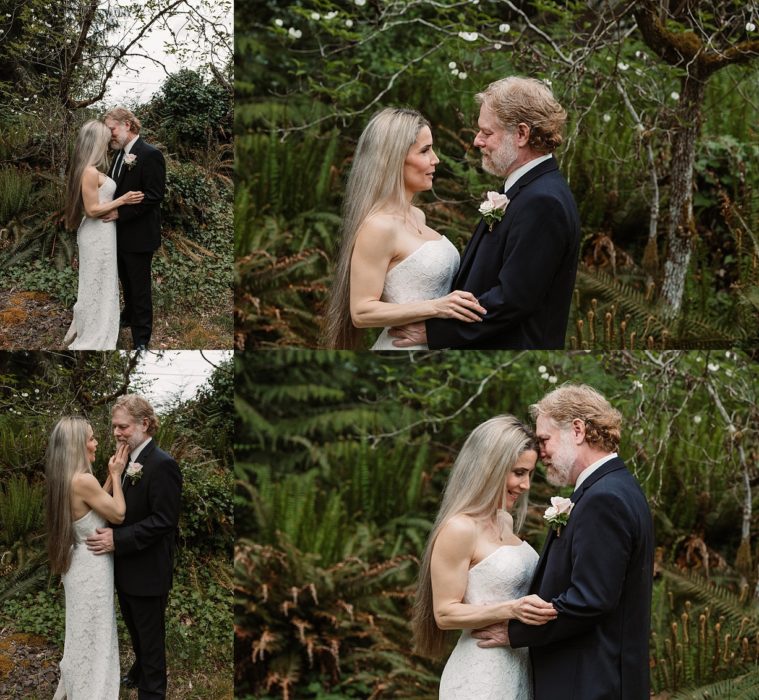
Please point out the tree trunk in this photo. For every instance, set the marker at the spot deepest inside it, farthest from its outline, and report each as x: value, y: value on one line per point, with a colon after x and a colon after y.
x: 681, y: 229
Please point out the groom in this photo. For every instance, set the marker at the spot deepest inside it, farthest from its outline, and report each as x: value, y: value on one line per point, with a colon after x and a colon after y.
x: 137, y: 166
x: 143, y: 545
x: 596, y: 569
x: 522, y: 267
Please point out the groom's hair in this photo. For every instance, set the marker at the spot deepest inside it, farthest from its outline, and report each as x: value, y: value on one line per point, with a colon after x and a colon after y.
x: 516, y: 100
x: 138, y: 408
x: 122, y: 114
x: 602, y: 421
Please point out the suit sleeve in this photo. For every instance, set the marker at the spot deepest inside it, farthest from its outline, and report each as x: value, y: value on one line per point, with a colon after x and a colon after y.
x: 536, y: 246
x: 152, y: 183
x: 601, y: 550
x: 164, y: 498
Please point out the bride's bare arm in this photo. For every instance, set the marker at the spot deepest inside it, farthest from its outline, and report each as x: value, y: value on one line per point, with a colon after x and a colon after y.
x: 374, y: 250
x: 110, y: 505
x: 92, y: 207
x: 451, y: 559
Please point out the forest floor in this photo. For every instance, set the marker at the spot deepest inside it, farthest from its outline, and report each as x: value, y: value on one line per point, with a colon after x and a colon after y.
x: 37, y: 321
x: 29, y: 671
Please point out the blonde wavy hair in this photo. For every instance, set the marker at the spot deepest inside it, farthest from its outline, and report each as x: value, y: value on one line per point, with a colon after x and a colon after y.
x: 138, y: 408
x: 516, y: 100
x: 603, y: 423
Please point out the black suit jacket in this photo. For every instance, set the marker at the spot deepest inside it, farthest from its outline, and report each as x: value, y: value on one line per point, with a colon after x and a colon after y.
x: 145, y: 541
x: 598, y: 573
x: 522, y: 272
x: 138, y: 228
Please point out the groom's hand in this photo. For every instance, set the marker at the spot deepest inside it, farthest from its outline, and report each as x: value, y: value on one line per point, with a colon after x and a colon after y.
x: 496, y: 635
x: 110, y: 216
x: 101, y: 542
x: 410, y: 334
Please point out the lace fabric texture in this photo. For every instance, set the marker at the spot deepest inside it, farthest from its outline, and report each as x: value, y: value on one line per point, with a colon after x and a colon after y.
x: 425, y: 274
x: 90, y: 663
x: 492, y: 674
x: 95, y: 325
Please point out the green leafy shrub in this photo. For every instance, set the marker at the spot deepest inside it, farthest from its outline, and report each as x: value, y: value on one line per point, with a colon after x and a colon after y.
x: 15, y: 192
x: 21, y: 506
x: 193, y: 112
x: 207, y: 521
x: 40, y: 613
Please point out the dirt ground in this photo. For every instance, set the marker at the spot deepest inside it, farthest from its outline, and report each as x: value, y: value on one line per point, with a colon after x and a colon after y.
x: 35, y: 321
x: 29, y: 671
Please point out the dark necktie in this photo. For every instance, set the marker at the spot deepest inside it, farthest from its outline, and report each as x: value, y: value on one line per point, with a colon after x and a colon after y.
x: 117, y: 164
x: 124, y: 473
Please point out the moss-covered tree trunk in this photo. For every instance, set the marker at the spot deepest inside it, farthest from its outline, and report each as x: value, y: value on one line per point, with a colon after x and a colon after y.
x: 681, y: 228
x: 679, y: 35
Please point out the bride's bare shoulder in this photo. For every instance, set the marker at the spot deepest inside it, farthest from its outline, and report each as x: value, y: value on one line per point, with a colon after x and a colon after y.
x: 378, y: 230
x: 380, y: 223
x: 83, y: 482
x: 460, y: 526
x: 91, y: 174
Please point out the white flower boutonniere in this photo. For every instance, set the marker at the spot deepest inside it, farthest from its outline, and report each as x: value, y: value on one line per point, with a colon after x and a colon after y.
x: 493, y: 208
x: 557, y: 514
x: 129, y: 160
x: 134, y: 472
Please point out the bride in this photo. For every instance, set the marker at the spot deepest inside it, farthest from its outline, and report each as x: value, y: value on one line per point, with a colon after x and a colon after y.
x: 76, y: 504
x: 392, y: 268
x: 90, y: 192
x: 475, y: 570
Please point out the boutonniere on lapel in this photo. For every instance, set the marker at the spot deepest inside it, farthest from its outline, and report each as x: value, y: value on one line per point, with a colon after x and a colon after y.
x: 129, y: 160
x: 493, y: 208
x: 134, y: 472
x: 557, y: 514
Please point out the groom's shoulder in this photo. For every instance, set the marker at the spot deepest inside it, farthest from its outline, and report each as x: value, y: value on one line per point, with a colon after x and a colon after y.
x: 149, y: 148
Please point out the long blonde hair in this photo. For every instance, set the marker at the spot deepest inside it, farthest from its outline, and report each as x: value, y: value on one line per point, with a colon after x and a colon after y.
x: 66, y: 456
x: 91, y: 148
x: 476, y: 487
x: 375, y: 182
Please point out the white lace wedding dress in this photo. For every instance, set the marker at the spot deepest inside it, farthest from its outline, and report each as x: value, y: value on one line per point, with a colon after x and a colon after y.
x: 492, y: 674
x: 90, y: 663
x: 425, y: 274
x: 96, y: 313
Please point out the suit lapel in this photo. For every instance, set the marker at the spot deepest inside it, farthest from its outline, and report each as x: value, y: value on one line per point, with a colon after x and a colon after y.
x: 610, y: 466
x: 144, y: 454
x: 469, y: 251
x: 134, y: 151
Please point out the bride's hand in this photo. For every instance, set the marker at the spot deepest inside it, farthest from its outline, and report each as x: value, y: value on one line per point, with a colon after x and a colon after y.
x: 117, y: 463
x: 459, y: 305
x: 132, y: 197
x: 533, y: 610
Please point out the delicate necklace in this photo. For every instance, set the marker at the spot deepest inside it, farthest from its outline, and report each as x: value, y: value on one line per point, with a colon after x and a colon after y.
x: 416, y: 226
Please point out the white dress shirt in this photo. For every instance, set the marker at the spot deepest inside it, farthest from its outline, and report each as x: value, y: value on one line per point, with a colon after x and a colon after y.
x: 124, y: 153
x: 585, y: 473
x: 511, y: 179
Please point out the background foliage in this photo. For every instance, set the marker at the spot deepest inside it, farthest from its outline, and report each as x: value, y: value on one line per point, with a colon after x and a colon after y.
x: 310, y: 74
x: 340, y: 466
x: 38, y: 388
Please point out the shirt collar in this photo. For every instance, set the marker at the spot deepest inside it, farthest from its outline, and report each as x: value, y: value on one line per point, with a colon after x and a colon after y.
x: 585, y: 473
x: 128, y: 147
x: 511, y: 179
x: 135, y: 453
